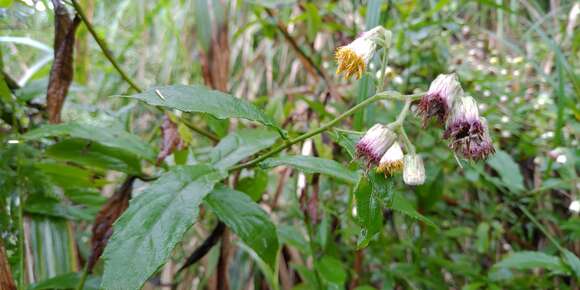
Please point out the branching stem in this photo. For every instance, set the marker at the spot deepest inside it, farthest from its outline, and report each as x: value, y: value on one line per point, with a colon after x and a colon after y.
x: 379, y: 96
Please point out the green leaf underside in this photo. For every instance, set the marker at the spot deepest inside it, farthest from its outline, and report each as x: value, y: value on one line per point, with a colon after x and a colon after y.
x: 311, y: 164
x: 200, y: 99
x: 240, y: 145
x: 245, y: 218
x: 529, y: 260
x: 154, y: 223
x: 107, y: 136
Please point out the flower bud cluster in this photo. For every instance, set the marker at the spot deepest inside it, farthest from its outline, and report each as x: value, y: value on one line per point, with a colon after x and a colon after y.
x: 444, y: 103
x: 379, y: 146
x: 466, y: 131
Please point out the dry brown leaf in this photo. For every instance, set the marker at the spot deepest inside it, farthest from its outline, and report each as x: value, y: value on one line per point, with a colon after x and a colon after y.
x: 170, y: 139
x: 109, y: 213
x: 61, y: 72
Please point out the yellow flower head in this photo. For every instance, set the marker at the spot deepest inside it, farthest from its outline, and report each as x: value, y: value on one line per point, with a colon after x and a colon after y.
x: 392, y: 161
x: 353, y: 58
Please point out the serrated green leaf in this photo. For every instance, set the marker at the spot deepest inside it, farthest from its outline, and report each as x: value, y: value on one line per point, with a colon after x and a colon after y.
x: 95, y: 155
x: 240, y: 145
x: 203, y: 100
x: 368, y: 212
x: 144, y: 236
x: 108, y: 136
x: 310, y: 164
x: 245, y: 218
x: 382, y: 187
x: 346, y: 141
x: 529, y: 260
x: 402, y: 205
x: 508, y: 170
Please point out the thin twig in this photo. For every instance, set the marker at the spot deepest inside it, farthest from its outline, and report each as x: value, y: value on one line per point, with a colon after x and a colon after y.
x: 201, y: 131
x: 306, y: 60
x: 103, y: 45
x: 542, y: 229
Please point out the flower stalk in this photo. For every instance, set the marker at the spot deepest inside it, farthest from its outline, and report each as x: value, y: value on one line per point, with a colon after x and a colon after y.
x: 379, y: 96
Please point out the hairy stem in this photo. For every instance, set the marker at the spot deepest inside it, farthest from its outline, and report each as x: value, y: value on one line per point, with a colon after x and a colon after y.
x: 384, y: 64
x: 398, y: 124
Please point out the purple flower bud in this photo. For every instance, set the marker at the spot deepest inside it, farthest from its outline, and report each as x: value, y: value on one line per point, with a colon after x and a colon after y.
x: 392, y: 160
x: 413, y: 170
x: 375, y: 143
x: 464, y: 120
x: 468, y: 133
x: 438, y: 101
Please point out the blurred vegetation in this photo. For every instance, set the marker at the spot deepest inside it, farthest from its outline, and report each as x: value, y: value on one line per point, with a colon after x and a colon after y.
x: 506, y: 223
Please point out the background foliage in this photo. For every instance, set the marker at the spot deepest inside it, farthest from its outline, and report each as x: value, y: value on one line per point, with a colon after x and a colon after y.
x: 303, y: 219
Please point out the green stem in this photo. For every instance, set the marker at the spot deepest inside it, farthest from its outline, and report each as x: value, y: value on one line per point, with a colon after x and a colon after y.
x: 408, y: 144
x: 81, y: 284
x: 403, y: 114
x: 399, y: 125
x: 312, y: 245
x: 380, y: 96
x: 385, y: 61
x: 201, y: 131
x: 542, y: 229
x: 349, y: 131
